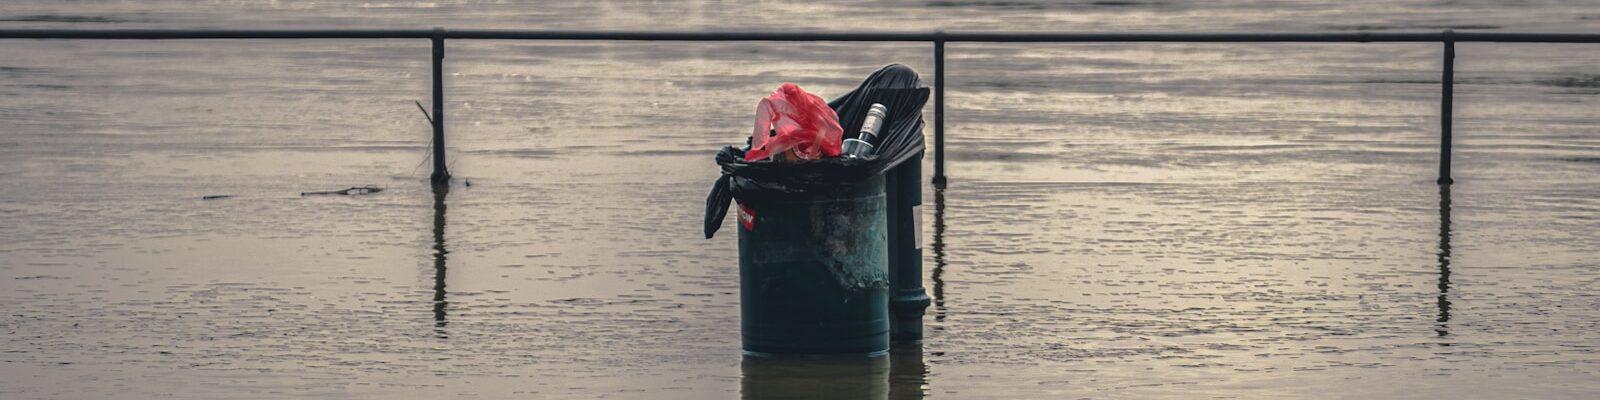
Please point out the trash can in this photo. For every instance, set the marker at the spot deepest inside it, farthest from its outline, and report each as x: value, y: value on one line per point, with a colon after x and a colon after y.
x: 813, y: 271
x: 819, y: 231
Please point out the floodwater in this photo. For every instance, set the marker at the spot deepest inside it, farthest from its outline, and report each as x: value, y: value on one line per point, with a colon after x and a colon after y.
x: 1123, y: 220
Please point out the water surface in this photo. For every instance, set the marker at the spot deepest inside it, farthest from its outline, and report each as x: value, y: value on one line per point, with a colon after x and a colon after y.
x: 1124, y: 220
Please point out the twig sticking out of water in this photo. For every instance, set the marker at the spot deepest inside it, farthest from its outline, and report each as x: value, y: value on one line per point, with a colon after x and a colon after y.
x: 424, y: 111
x: 357, y: 190
x: 430, y: 144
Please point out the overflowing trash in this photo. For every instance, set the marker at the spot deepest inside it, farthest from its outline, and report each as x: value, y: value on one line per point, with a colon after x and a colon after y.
x: 797, y: 146
x: 861, y: 145
x: 792, y: 124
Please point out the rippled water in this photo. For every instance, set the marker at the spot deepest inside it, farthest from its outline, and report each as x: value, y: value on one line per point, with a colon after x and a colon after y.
x: 1124, y: 220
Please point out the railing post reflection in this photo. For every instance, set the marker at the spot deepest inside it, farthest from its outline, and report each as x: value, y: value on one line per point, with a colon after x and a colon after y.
x: 439, y: 255
x: 938, y: 254
x: 1444, y: 261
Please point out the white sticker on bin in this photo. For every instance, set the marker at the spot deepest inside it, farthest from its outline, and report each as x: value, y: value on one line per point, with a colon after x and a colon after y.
x: 916, y: 221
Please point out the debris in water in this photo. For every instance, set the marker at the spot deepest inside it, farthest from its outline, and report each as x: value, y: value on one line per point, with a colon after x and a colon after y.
x: 358, y: 190
x: 216, y: 196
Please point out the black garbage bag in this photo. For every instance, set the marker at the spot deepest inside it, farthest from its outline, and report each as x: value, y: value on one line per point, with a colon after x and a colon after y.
x: 895, y: 86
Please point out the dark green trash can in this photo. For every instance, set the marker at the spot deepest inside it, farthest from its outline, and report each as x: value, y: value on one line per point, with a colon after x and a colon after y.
x: 813, y: 275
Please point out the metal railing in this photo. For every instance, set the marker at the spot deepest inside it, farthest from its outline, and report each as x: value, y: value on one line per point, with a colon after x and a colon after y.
x: 441, y: 174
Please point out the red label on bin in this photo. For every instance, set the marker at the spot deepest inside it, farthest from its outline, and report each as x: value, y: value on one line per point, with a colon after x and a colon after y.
x: 747, y: 217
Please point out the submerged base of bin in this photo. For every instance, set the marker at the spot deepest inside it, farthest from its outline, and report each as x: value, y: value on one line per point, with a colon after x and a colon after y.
x: 809, y: 356
x: 869, y: 338
x: 813, y: 277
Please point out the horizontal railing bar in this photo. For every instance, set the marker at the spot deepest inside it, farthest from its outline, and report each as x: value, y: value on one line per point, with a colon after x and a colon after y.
x: 927, y: 36
x: 1509, y: 37
x: 167, y: 34
x: 696, y: 36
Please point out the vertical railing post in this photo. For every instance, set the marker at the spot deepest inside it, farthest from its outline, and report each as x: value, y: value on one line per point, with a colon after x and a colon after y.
x: 441, y: 172
x: 1447, y: 87
x: 939, y: 179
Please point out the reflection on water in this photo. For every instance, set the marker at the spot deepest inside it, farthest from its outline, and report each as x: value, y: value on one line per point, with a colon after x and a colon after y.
x: 1444, y: 261
x: 908, y: 374
x: 439, y: 255
x: 900, y: 375
x: 938, y: 254
x: 815, y: 378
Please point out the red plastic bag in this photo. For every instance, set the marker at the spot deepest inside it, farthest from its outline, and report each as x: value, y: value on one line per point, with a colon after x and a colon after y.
x: 794, y: 121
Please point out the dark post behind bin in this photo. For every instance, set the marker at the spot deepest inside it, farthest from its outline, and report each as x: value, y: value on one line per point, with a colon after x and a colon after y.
x: 907, y: 299
x: 441, y: 172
